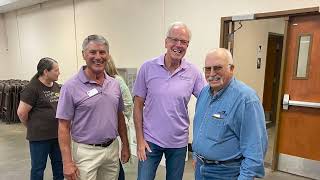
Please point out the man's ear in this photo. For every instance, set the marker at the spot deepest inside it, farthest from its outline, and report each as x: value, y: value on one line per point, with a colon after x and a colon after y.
x: 83, y: 54
x: 231, y: 67
x: 108, y: 57
x: 165, y: 43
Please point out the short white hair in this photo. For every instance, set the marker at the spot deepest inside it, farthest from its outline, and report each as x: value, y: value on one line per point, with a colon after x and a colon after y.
x: 222, y: 52
x: 178, y: 24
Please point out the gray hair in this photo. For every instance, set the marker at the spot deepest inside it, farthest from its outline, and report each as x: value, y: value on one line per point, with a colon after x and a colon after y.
x: 95, y: 38
x: 178, y: 24
x: 223, y: 52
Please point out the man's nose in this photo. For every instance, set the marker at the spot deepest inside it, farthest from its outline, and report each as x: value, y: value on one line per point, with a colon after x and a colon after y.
x: 212, y: 71
x: 98, y: 55
x: 179, y: 43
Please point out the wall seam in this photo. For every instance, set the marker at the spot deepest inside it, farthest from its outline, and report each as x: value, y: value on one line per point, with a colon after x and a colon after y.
x: 5, y: 33
x: 18, y: 33
x: 75, y: 33
x: 164, y: 19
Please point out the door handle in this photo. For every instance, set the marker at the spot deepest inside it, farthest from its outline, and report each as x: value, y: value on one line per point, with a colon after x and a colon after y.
x: 287, y: 102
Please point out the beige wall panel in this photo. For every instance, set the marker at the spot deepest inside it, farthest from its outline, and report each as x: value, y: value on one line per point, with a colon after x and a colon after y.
x: 133, y: 28
x: 48, y: 31
x: 13, y: 63
x: 3, y: 49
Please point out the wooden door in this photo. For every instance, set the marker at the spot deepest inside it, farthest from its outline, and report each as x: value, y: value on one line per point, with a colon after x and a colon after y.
x: 299, y: 130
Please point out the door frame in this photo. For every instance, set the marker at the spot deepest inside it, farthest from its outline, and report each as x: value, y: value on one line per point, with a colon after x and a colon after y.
x: 227, y: 26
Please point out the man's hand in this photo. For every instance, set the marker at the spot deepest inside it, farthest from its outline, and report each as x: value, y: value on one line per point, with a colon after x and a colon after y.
x: 70, y: 171
x: 194, y: 164
x: 141, y: 150
x: 23, y: 112
x: 125, y: 154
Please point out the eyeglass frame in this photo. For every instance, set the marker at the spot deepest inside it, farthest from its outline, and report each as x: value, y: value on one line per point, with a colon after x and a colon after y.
x: 214, y: 68
x: 176, y: 40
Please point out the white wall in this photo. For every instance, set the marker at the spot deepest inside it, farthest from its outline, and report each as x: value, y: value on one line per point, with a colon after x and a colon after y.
x: 42, y: 31
x: 134, y: 28
x: 247, y: 39
x: 3, y: 48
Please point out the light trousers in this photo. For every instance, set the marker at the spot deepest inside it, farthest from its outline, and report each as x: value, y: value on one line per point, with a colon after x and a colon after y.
x: 96, y: 163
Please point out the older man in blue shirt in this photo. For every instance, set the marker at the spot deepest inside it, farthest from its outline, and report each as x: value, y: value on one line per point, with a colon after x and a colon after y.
x: 230, y: 138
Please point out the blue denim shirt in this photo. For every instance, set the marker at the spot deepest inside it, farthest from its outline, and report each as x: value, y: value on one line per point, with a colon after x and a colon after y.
x: 229, y: 125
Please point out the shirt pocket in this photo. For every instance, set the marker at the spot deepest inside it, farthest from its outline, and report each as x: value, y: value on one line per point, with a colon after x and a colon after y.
x: 215, y: 128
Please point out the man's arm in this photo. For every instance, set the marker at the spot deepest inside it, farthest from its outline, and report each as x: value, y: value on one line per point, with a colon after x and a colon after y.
x: 253, y: 141
x: 199, y: 83
x: 142, y: 145
x: 23, y: 112
x: 122, y: 129
x: 70, y: 170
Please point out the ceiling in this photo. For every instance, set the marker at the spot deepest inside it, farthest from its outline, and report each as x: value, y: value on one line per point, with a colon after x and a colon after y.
x: 10, y: 5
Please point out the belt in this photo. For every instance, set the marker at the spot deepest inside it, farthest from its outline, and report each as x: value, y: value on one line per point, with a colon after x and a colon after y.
x: 206, y: 161
x: 105, y: 144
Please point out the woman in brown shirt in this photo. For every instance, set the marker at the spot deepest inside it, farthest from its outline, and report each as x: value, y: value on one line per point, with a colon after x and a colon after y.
x: 37, y: 109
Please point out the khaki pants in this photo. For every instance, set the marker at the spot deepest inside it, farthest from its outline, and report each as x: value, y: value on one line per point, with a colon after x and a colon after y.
x: 96, y: 163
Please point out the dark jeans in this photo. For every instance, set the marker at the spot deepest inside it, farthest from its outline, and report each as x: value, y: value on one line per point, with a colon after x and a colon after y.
x: 39, y: 151
x: 121, y: 172
x: 175, y: 161
x: 224, y: 171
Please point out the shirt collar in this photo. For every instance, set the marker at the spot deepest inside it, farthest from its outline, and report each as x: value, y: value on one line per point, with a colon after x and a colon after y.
x: 221, y: 90
x: 160, y: 61
x: 84, y: 78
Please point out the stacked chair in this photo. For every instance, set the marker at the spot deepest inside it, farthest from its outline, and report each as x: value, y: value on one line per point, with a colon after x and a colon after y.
x: 10, y: 98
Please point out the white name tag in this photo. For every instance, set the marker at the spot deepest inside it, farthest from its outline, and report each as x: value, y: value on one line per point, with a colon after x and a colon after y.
x: 216, y: 116
x: 92, y: 92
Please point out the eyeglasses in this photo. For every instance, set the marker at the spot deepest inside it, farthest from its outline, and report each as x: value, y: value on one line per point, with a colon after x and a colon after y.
x: 216, y: 69
x: 176, y: 40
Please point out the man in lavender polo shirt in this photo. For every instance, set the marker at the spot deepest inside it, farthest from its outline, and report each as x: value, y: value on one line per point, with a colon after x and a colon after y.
x: 162, y: 91
x: 90, y: 109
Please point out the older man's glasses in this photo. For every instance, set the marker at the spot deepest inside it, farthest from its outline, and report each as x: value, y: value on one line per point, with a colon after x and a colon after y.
x: 216, y: 69
x: 176, y: 40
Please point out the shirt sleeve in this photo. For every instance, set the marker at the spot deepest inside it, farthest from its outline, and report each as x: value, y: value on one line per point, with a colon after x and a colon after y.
x: 65, y: 109
x: 127, y: 98
x: 199, y: 84
x: 253, y: 141
x: 140, y: 86
x: 29, y: 95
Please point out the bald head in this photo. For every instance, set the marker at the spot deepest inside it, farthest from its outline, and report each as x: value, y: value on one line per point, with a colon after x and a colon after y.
x: 220, y: 53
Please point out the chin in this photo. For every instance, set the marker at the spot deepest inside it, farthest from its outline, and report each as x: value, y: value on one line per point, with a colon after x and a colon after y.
x: 97, y: 69
x: 177, y: 59
x: 215, y: 86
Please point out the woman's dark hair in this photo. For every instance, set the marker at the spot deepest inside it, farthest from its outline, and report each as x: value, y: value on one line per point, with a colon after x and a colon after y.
x: 44, y: 64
